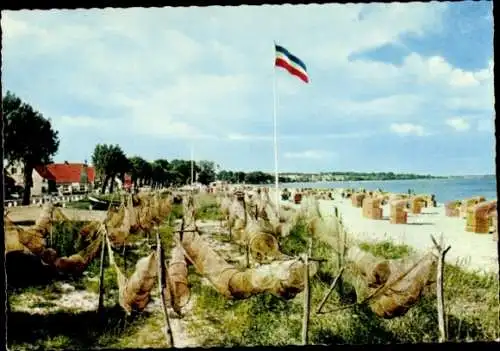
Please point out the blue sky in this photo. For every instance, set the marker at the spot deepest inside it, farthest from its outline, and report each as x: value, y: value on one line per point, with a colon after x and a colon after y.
x: 394, y: 87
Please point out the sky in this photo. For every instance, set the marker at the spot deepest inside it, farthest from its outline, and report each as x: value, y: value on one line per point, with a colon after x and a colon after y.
x: 401, y: 87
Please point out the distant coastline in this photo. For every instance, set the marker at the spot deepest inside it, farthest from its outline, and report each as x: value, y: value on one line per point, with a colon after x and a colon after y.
x: 397, y: 177
x: 263, y: 178
x: 258, y: 177
x: 355, y: 176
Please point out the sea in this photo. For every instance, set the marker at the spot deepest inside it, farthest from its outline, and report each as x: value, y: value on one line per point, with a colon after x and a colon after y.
x: 445, y: 189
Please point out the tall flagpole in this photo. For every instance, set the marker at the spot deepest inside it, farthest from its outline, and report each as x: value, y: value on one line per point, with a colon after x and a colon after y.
x: 276, y: 175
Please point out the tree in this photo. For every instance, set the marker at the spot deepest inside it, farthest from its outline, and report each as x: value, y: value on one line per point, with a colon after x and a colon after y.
x: 258, y: 178
x: 109, y: 161
x: 226, y: 176
x: 159, y: 172
x: 28, y: 138
x: 140, y: 169
x: 182, y: 170
x: 146, y: 174
x: 207, y: 172
x: 239, y: 177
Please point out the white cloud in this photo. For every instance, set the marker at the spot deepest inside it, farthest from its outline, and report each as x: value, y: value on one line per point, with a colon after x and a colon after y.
x: 155, y: 52
x: 81, y: 121
x: 382, y: 24
x: 407, y: 128
x: 206, y: 73
x: 194, y: 106
x: 486, y: 125
x: 308, y: 154
x: 351, y: 135
x: 247, y: 137
x: 460, y: 78
x: 15, y: 28
x: 256, y: 137
x: 437, y: 70
x: 459, y: 124
x: 399, y: 105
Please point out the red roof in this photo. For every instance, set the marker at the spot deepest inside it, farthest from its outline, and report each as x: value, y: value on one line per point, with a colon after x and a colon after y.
x: 44, y: 172
x: 65, y: 172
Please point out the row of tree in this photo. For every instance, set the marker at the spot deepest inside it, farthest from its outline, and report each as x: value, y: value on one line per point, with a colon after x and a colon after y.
x: 110, y: 161
x: 250, y: 177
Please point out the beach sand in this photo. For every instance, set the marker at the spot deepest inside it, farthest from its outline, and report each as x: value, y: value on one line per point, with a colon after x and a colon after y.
x: 476, y: 252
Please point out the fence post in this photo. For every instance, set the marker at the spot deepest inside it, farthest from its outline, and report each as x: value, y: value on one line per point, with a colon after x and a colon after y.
x: 162, y: 285
x: 307, y: 296
x: 440, y: 289
x: 100, y: 305
x: 329, y: 292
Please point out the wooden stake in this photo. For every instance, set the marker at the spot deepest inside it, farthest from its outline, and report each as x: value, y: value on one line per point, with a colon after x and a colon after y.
x: 162, y: 285
x: 51, y: 226
x: 440, y: 289
x: 100, y: 305
x: 340, y: 256
x: 124, y: 253
x: 247, y: 253
x: 181, y: 232
x: 307, y: 297
x: 329, y: 292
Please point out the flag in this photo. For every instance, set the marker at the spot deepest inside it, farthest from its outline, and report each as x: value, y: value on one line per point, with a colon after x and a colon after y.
x: 291, y: 63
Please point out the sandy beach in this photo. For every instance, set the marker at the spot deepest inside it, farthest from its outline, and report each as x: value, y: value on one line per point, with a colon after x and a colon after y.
x: 476, y: 252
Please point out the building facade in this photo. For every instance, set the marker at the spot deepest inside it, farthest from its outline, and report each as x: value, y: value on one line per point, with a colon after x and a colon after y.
x: 64, y: 178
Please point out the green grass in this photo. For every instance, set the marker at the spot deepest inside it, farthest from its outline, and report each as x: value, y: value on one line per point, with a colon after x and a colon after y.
x: 62, y: 330
x: 247, y: 322
x: 471, y: 303
x: 387, y: 250
x: 207, y: 208
x: 177, y: 211
x: 296, y: 242
x: 65, y: 235
x: 108, y: 197
x: 79, y: 205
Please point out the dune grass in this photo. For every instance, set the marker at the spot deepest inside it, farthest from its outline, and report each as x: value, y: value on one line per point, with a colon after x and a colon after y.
x: 387, y: 249
x: 176, y: 211
x: 471, y: 302
x: 207, y: 208
x: 65, y: 238
x: 62, y: 329
x: 265, y: 320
